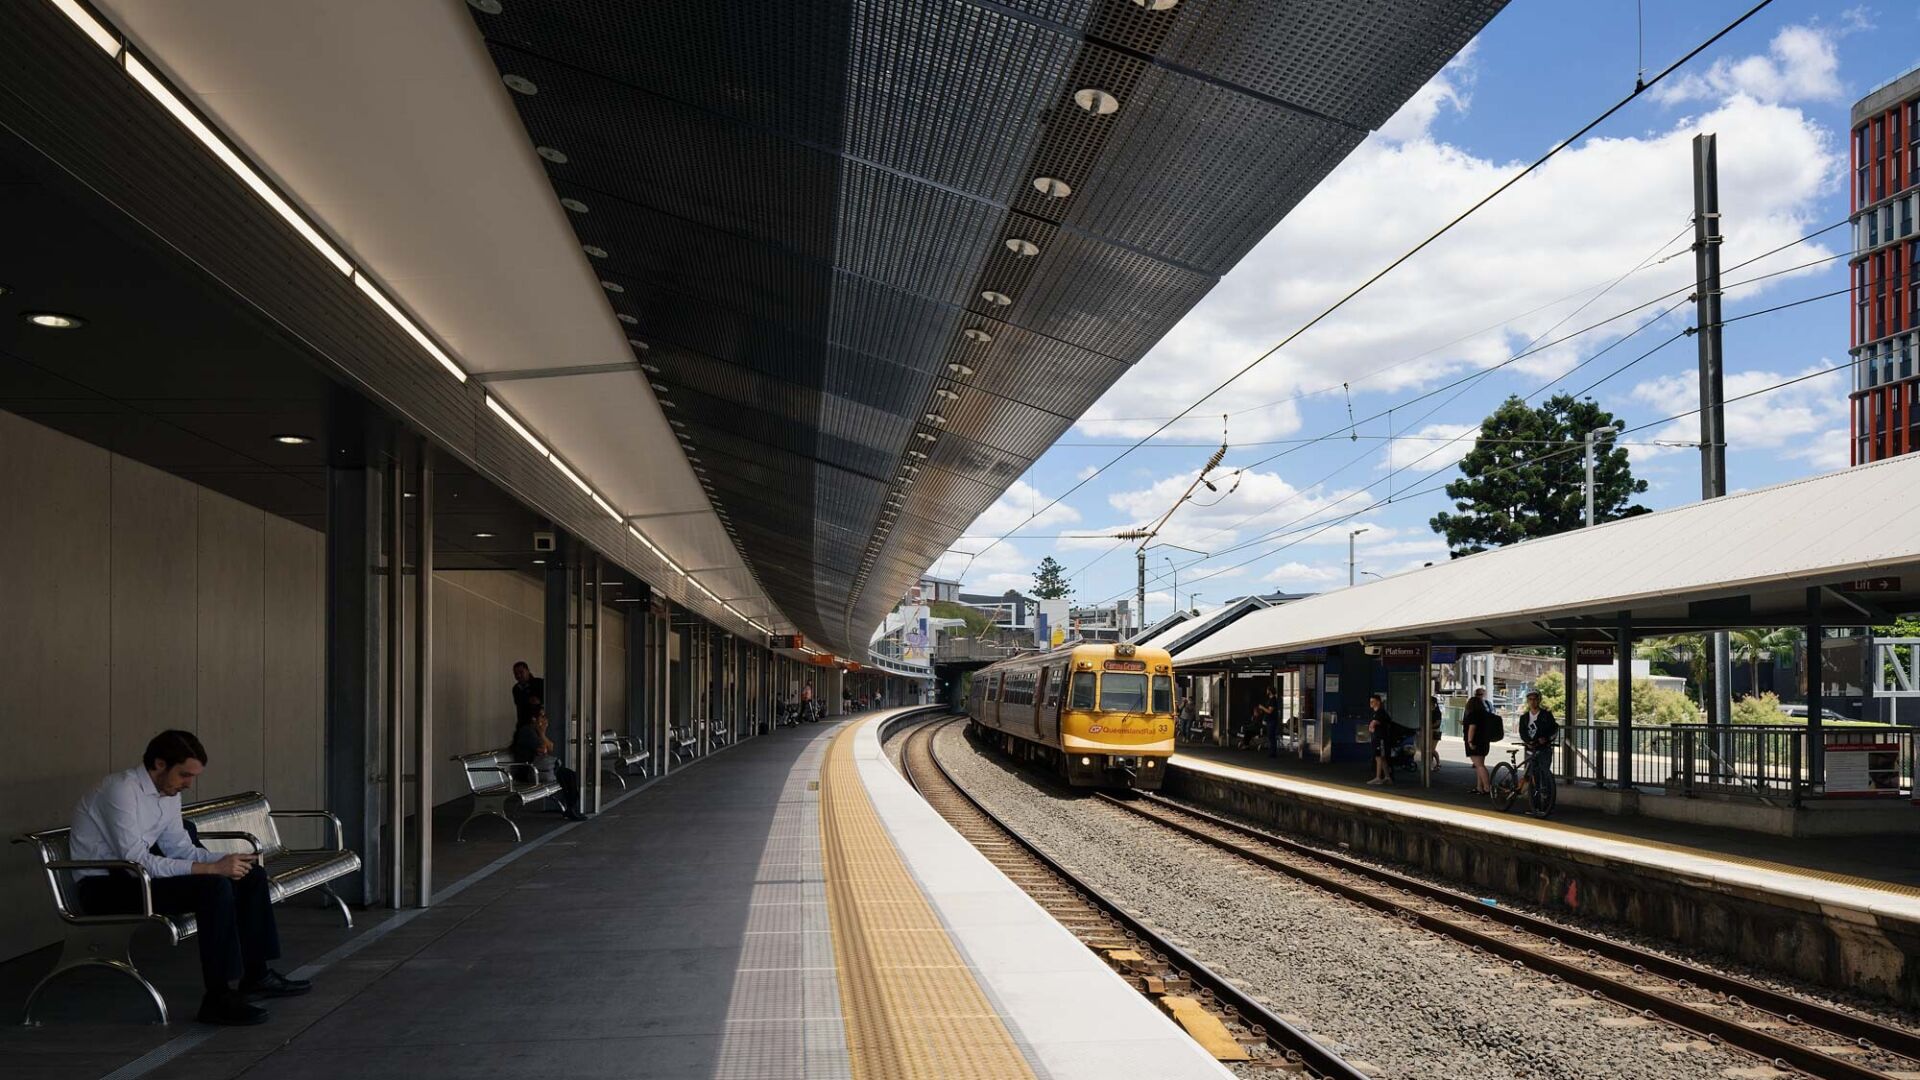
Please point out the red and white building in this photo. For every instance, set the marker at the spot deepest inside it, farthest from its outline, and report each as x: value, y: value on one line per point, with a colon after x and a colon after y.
x: 1885, y: 335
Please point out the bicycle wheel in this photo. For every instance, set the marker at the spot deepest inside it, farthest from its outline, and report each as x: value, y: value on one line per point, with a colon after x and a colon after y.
x: 1505, y: 785
x: 1544, y: 793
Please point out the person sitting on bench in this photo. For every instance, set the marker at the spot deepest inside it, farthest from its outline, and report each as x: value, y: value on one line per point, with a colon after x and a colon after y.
x: 531, y: 745
x: 135, y: 816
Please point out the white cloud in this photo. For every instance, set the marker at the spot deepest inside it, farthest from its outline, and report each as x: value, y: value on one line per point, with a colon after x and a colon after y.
x: 1519, y: 270
x: 1006, y: 565
x: 1304, y: 577
x: 1806, y: 421
x: 1435, y: 446
x: 1802, y: 64
x: 1087, y: 473
x: 1450, y: 88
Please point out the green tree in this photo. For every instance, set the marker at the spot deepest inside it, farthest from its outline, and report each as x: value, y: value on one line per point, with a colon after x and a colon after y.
x: 1755, y: 644
x: 1526, y: 477
x: 1050, y: 580
x: 1689, y: 652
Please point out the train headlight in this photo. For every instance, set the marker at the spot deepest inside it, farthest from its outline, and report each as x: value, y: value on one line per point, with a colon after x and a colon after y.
x: 1086, y: 761
x: 1151, y: 763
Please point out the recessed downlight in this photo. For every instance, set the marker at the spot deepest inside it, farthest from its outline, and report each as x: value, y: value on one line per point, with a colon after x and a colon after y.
x: 292, y: 440
x: 558, y: 157
x: 1026, y: 249
x: 961, y: 370
x: 613, y: 286
x: 638, y: 344
x: 997, y: 299
x: 574, y: 205
x: 1157, y: 5
x: 539, y: 562
x: 1052, y: 187
x: 626, y: 318
x: 925, y: 436
x: 594, y: 250
x: 53, y: 320
x: 651, y: 369
x: 977, y: 336
x: 916, y: 455
x: 483, y: 536
x: 520, y: 84
x: 944, y: 394
x: 659, y: 388
x: 492, y: 7
x: 1097, y: 102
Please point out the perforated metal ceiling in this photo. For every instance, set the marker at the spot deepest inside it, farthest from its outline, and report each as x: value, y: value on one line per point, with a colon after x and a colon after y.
x: 800, y: 206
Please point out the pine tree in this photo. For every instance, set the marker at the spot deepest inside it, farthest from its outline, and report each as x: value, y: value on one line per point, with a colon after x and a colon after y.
x: 1050, y: 580
x: 1526, y: 476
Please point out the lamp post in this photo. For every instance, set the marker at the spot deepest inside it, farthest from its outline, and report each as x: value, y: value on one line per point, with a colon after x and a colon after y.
x: 1599, y: 432
x: 1176, y: 573
x: 1350, y: 564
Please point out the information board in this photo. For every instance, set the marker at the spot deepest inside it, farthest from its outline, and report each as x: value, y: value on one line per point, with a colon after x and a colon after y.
x: 1863, y: 770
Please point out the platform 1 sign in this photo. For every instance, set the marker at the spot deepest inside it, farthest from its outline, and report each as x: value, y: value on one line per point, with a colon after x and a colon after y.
x: 786, y: 641
x: 1592, y: 653
x: 1863, y: 770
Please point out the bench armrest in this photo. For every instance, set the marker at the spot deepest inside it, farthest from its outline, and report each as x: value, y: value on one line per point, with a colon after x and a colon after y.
x: 252, y: 840
x: 139, y: 872
x: 331, y: 818
x: 533, y: 774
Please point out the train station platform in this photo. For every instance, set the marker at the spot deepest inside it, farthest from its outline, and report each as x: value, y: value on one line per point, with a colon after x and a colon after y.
x: 784, y: 908
x: 1843, y: 910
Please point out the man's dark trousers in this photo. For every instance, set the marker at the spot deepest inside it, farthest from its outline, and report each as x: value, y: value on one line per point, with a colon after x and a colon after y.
x: 237, y: 935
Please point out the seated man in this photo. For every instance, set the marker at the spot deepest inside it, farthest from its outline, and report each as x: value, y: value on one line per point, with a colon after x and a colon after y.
x: 531, y: 745
x: 135, y: 815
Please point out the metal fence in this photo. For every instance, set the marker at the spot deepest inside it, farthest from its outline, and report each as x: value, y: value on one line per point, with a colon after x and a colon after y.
x: 1768, y: 762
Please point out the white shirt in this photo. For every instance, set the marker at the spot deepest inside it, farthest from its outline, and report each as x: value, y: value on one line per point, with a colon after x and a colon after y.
x: 124, y: 818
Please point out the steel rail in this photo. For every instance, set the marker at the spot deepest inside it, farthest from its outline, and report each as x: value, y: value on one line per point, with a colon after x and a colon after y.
x: 1289, y: 1041
x: 1865, y: 1035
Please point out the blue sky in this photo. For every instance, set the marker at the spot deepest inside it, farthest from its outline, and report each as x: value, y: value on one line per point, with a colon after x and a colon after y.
x: 1600, y: 230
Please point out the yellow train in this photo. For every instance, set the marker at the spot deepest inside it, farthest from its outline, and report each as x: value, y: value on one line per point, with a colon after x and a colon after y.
x: 1098, y: 715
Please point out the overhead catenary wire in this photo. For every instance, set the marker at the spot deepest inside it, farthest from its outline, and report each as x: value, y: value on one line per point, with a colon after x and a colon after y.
x: 1641, y: 86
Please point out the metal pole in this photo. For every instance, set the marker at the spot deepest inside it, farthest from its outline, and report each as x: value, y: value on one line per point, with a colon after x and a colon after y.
x: 1350, y: 554
x: 1140, y: 586
x: 423, y: 760
x: 1713, y: 430
x: 1815, y: 757
x: 1623, y: 657
x: 591, y: 731
x: 1610, y: 429
x: 394, y: 870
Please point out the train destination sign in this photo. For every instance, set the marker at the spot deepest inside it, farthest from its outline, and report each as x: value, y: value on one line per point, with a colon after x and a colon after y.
x: 1126, y: 665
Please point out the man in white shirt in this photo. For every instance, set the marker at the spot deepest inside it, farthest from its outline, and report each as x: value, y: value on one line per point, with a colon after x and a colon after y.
x: 134, y: 816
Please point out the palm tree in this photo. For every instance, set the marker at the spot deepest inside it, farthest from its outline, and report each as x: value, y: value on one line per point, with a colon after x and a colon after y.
x: 1754, y: 643
x: 1678, y: 649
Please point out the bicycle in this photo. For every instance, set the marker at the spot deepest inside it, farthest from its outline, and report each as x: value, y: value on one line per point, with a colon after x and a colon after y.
x: 1533, y: 774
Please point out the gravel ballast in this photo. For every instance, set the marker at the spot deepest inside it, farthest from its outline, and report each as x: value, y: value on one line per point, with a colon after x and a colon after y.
x: 1395, y: 1000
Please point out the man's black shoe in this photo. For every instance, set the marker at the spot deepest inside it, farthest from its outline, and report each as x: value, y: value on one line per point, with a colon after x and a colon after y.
x: 274, y: 984
x: 230, y: 1008
x: 576, y: 816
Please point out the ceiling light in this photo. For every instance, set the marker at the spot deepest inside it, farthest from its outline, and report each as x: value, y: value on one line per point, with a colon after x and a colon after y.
x: 492, y: 7
x: 1156, y: 5
x: 626, y: 318
x: 53, y: 320
x: 945, y: 394
x: 613, y: 286
x: 574, y: 205
x: 678, y: 423
x: 594, y: 250
x: 937, y: 419
x: 658, y: 388
x: 651, y: 369
x: 1097, y: 102
x: 1047, y: 185
x: 668, y: 404
x: 961, y: 370
x: 916, y: 455
x: 978, y: 337
x: 401, y: 320
x: 925, y: 436
x: 997, y: 299
x: 539, y: 562
x: 520, y: 84
x: 638, y: 344
x: 507, y: 418
x: 551, y: 154
x: 292, y: 440
x: 483, y: 536
x: 1022, y: 248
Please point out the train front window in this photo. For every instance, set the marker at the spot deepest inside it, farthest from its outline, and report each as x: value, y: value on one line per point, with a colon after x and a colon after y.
x: 1162, y: 694
x: 1082, y: 690
x: 1123, y: 691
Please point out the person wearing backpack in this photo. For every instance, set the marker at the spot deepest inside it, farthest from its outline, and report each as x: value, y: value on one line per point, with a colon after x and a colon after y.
x: 1482, y: 728
x: 1386, y: 739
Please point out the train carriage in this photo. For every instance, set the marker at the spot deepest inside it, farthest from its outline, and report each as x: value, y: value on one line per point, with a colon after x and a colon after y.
x: 1099, y: 715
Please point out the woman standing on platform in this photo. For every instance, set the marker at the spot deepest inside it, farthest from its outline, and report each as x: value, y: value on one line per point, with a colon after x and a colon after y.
x: 1477, y: 725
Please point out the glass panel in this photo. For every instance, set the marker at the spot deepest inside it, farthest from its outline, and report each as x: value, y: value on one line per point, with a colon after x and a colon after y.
x: 1123, y: 691
x: 1162, y: 694
x: 1082, y: 690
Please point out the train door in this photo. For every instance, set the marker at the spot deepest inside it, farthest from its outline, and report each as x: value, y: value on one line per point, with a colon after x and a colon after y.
x: 1040, y: 701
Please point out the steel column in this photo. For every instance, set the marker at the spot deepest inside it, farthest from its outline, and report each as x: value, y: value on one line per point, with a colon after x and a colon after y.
x: 1815, y: 757
x: 393, y: 734
x: 558, y: 700
x: 423, y: 758
x: 353, y: 669
x: 1623, y: 660
x: 590, y: 727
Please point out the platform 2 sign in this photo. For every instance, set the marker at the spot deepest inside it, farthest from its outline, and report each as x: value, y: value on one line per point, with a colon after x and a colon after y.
x: 1863, y: 770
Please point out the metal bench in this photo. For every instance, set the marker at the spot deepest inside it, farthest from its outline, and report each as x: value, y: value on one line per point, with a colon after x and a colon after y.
x: 686, y: 746
x: 232, y: 823
x: 719, y: 733
x: 494, y: 778
x: 621, y: 757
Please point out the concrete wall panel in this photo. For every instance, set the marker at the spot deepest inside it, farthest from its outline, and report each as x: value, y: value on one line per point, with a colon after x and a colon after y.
x: 231, y: 591
x: 155, y: 628
x: 293, y: 694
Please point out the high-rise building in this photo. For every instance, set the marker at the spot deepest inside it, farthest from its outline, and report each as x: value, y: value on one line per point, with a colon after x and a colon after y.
x: 1885, y: 335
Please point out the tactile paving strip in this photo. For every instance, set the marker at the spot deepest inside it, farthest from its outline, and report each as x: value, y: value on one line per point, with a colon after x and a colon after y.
x: 911, y: 1005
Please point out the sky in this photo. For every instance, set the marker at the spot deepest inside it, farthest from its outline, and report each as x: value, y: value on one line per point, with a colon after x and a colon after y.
x: 1496, y: 307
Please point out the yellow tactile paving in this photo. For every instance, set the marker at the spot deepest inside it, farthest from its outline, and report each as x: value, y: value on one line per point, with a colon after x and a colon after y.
x: 1832, y: 877
x: 912, y: 1007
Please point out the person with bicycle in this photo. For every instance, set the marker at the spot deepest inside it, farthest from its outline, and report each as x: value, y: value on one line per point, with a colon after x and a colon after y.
x: 1537, y: 729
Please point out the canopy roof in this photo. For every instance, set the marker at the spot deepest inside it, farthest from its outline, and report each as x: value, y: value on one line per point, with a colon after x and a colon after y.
x: 1744, y: 560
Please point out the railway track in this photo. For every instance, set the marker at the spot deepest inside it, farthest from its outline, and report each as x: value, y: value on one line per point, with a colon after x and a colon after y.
x: 1786, y: 1031
x: 1232, y: 1021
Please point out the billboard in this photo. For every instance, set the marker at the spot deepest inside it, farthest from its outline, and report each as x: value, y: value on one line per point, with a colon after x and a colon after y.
x: 915, y: 635
x: 1050, y: 625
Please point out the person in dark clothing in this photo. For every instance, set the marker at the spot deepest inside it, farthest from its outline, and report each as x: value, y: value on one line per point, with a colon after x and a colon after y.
x: 1386, y: 735
x: 529, y: 693
x: 134, y: 816
x: 1537, y: 729
x: 1476, y: 726
x: 531, y: 745
x: 1435, y: 718
x: 1271, y: 703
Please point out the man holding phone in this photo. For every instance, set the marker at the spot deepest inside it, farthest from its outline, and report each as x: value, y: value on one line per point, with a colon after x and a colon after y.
x: 135, y: 816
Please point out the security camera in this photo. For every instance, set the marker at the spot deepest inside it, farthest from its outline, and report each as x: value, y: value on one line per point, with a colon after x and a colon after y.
x: 543, y: 541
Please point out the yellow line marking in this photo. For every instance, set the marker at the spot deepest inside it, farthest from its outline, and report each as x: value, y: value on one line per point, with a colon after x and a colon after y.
x: 1829, y: 876
x: 910, y: 1004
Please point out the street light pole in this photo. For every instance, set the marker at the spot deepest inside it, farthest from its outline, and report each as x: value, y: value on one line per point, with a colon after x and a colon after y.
x: 1610, y: 429
x: 1350, y: 563
x: 1168, y: 559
